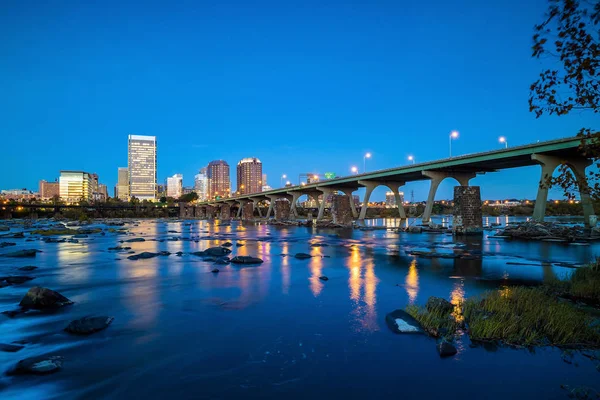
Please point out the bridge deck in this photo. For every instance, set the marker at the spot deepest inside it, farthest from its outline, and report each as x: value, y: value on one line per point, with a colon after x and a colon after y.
x: 489, y: 161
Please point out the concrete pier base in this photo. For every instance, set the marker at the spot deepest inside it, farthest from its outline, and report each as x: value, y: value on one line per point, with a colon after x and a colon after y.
x: 248, y: 211
x: 341, y: 211
x: 226, y: 212
x: 282, y: 209
x: 467, y: 211
x: 186, y: 211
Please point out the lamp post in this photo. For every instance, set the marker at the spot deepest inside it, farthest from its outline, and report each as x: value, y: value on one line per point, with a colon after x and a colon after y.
x: 368, y: 155
x: 354, y: 170
x: 411, y: 159
x: 502, y: 139
x: 284, y: 176
x: 453, y: 135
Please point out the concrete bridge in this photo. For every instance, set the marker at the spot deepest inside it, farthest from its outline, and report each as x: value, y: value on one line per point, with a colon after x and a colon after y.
x: 549, y: 155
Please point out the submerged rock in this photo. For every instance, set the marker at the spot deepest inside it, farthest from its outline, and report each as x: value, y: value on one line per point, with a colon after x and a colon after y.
x: 222, y: 261
x: 10, y: 348
x: 214, y: 271
x: 89, y: 325
x: 39, y: 298
x: 302, y: 256
x: 323, y: 278
x: 16, y: 280
x: 118, y: 248
x: 246, y: 260
x: 446, y: 348
x: 22, y: 253
x: 134, y: 240
x: 27, y: 268
x: 399, y: 321
x: 439, y: 304
x: 40, y: 365
x: 7, y: 244
x: 142, y: 256
x: 213, y: 252
x: 227, y: 244
x: 319, y: 245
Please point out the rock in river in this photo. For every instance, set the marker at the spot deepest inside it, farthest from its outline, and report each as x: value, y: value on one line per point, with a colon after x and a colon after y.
x: 446, y: 348
x: 22, y: 253
x: 10, y: 348
x: 135, y: 240
x: 39, y: 298
x: 16, y: 280
x: 227, y: 244
x: 399, y: 321
x: 27, y: 268
x: 37, y: 365
x: 246, y: 260
x: 323, y: 278
x: 7, y: 244
x: 302, y: 256
x: 438, y: 304
x: 88, y: 325
x: 213, y: 252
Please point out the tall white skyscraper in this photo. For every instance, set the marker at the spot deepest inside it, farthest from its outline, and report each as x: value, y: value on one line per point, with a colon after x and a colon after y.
x: 175, y: 186
x: 201, y: 184
x: 141, y: 165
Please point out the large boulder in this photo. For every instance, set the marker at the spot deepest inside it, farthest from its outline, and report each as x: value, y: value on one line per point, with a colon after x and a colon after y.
x: 246, y: 260
x: 88, y: 325
x: 399, y: 321
x: 40, y: 365
x: 440, y: 305
x: 39, y: 298
x: 213, y: 252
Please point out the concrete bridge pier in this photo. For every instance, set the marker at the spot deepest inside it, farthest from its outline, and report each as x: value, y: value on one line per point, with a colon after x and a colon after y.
x: 436, y: 178
x: 549, y: 165
x: 226, y: 211
x: 370, y: 186
x: 326, y: 193
x: 282, y: 209
x: 248, y: 211
x: 255, y: 206
x: 294, y: 200
x: 341, y: 211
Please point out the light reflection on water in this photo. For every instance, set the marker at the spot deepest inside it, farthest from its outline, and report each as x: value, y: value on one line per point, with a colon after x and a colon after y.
x: 174, y: 308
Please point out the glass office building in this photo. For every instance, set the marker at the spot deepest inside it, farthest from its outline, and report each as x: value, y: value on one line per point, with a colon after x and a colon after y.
x: 75, y: 186
x: 141, y: 165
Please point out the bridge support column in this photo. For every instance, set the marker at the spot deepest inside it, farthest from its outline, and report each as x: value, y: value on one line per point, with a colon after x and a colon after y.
x: 326, y: 193
x: 341, y: 211
x: 549, y: 165
x: 255, y: 206
x: 282, y: 209
x: 240, y: 208
x: 294, y: 200
x: 371, y: 185
x: 437, y: 178
x: 248, y: 211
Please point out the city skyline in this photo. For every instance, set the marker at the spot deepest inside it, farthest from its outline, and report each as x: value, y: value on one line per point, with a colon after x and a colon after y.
x: 386, y: 91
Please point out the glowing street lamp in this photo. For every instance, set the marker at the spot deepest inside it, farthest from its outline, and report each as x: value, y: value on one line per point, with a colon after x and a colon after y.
x: 284, y: 176
x: 288, y: 183
x: 502, y: 139
x: 411, y: 159
x: 354, y: 170
x: 453, y: 135
x: 368, y: 155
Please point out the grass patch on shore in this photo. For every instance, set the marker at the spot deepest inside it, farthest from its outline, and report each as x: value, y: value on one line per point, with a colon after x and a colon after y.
x: 437, y: 322
x: 528, y: 317
x: 584, y: 284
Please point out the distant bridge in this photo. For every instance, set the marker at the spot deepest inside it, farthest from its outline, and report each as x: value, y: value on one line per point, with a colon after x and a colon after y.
x: 549, y: 155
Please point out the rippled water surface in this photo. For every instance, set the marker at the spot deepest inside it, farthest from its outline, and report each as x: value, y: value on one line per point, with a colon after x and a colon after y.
x: 274, y: 330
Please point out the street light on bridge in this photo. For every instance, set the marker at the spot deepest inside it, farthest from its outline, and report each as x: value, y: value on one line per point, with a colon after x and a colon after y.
x: 502, y: 139
x: 411, y: 159
x: 368, y: 155
x: 284, y: 176
x: 453, y: 135
x: 354, y: 170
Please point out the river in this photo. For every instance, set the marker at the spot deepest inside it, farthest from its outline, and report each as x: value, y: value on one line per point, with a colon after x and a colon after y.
x: 275, y: 330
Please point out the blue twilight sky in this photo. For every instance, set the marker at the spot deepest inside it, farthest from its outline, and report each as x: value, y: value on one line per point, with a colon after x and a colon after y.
x: 306, y: 86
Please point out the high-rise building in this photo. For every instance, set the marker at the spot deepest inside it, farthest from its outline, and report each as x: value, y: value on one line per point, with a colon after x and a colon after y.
x: 219, y: 184
x: 141, y: 164
x: 175, y: 186
x: 48, y: 190
x: 75, y: 186
x: 249, y: 176
x: 122, y: 192
x: 201, y: 184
